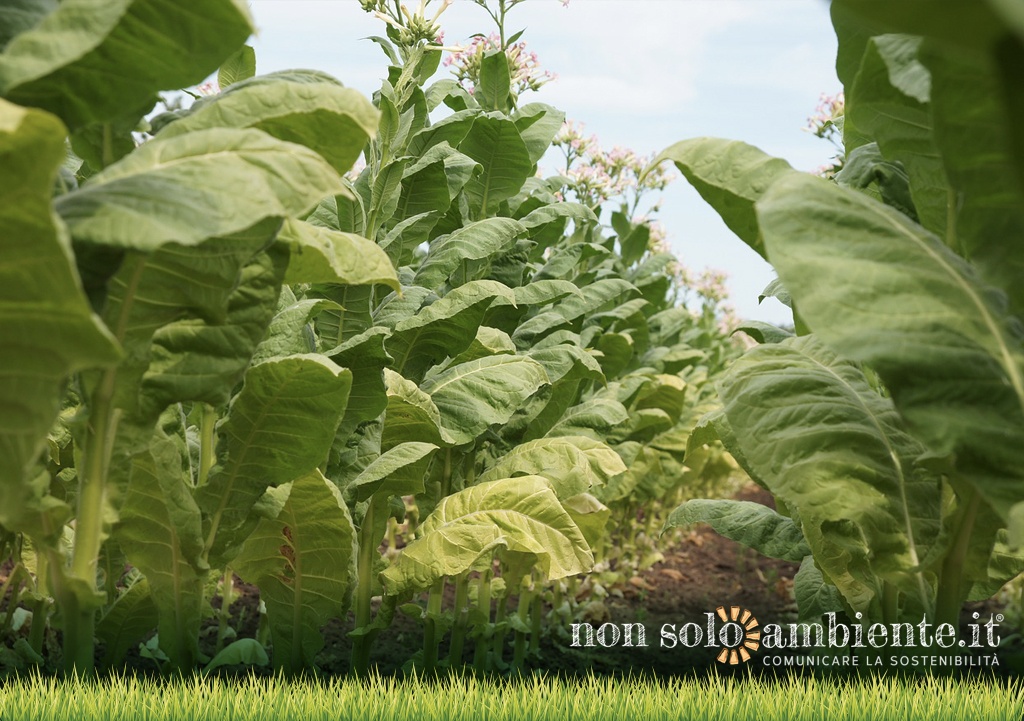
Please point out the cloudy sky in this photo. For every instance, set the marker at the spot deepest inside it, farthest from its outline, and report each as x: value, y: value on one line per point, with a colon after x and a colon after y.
x: 641, y: 74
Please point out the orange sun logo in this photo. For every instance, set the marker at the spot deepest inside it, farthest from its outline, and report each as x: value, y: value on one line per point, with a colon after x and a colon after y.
x: 739, y: 634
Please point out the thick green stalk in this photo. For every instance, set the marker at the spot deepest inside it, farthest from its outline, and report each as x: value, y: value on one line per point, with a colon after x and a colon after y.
x: 446, y: 478
x: 461, y: 621
x: 483, y: 604
x: 226, y: 598
x: 207, y: 443
x: 364, y: 565
x: 536, y: 618
x: 92, y: 490
x: 430, y: 635
x: 499, y: 618
x: 949, y: 596
x: 526, y: 598
x: 38, y: 631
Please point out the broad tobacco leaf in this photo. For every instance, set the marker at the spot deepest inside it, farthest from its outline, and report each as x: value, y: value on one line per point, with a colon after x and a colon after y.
x: 161, y: 531
x: 302, y: 556
x: 473, y: 396
x: 301, y: 108
x: 74, y: 62
x: 518, y: 514
x: 868, y: 511
x: 280, y: 425
x: 206, y: 184
x: 753, y: 524
x: 48, y: 328
x: 881, y: 290
x: 572, y: 464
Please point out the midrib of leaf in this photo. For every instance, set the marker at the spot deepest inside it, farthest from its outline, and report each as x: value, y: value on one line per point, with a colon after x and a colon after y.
x: 489, y: 174
x: 468, y: 373
x: 897, y: 467
x: 1007, y: 357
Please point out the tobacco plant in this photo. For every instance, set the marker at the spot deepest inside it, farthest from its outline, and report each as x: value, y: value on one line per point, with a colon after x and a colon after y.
x: 889, y: 429
x: 231, y: 354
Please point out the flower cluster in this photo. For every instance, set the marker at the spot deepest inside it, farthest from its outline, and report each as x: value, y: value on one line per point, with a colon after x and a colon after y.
x: 210, y: 88
x: 523, y: 66
x: 409, y: 28
x: 596, y: 176
x: 823, y: 122
x: 826, y: 123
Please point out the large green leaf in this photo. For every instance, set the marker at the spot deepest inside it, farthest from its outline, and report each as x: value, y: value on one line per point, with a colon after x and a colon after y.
x: 589, y: 417
x: 480, y: 242
x: 398, y: 471
x: 731, y: 176
x: 451, y: 129
x: 189, y: 320
x: 365, y: 357
x: 976, y: 132
x: 538, y: 124
x: 967, y: 26
x: 495, y: 143
x: 814, y: 595
x: 131, y: 618
x: 199, y: 358
x: 332, y: 120
x: 432, y: 182
x: 572, y: 464
x: 846, y: 465
x: 90, y: 59
x: 518, y: 514
x: 889, y: 104
x: 161, y: 533
x: 17, y: 16
x: 411, y: 415
x: 239, y: 66
x: 444, y: 328
x: 321, y: 255
x: 280, y: 425
x: 473, y: 396
x: 752, y: 524
x: 47, y: 327
x: 881, y: 290
x: 495, y: 83
x: 603, y: 294
x: 289, y: 332
x: 202, y: 185
x: 302, y: 557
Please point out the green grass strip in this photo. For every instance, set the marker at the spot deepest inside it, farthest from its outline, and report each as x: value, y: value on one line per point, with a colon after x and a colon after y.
x: 383, y: 699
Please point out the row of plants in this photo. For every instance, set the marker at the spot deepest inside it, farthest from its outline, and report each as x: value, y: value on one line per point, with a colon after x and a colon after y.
x: 228, y: 354
x: 889, y: 427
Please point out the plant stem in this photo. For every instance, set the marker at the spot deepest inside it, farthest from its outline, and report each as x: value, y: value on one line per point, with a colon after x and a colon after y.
x: 537, y: 615
x: 367, y: 548
x: 949, y: 593
x: 461, y: 621
x: 207, y: 443
x: 226, y: 598
x: 430, y: 637
x: 446, y: 478
x: 499, y: 633
x: 80, y: 623
x: 523, y: 611
x: 483, y: 604
x: 38, y: 631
